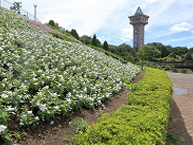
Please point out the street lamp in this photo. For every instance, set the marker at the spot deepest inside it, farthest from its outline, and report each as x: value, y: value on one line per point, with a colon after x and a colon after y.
x: 35, y: 6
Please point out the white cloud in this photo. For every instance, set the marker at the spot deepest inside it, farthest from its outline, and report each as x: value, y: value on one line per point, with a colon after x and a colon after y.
x: 87, y: 17
x: 102, y: 39
x: 127, y: 34
x: 184, y: 26
x: 153, y: 1
x: 180, y: 39
x: 109, y: 18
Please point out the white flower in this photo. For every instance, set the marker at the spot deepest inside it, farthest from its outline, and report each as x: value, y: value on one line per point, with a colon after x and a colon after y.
x: 52, y: 122
x: 10, y: 108
x: 38, y: 103
x: 36, y: 118
x: 56, y: 107
x: 29, y: 112
x: 43, y: 107
x: 21, y: 123
x: 68, y: 100
x: 4, y: 96
x: 2, y: 128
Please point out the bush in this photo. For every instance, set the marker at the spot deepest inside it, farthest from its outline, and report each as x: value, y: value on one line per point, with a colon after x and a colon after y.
x: 168, y: 67
x: 179, y: 70
x: 142, y: 121
x: 189, y: 71
x: 188, y: 56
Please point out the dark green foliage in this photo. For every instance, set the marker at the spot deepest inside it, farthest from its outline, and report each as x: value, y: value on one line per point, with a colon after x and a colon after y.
x: 165, y: 50
x: 75, y: 34
x: 16, y: 7
x: 173, y: 55
x: 52, y: 23
x: 124, y: 50
x: 190, y: 50
x: 173, y: 139
x: 188, y: 56
x: 106, y: 46
x: 149, y: 53
x: 95, y: 41
x: 168, y: 67
x: 86, y: 39
x: 179, y: 50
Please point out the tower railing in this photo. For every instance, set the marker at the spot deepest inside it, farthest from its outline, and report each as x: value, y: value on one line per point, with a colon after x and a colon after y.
x: 6, y: 4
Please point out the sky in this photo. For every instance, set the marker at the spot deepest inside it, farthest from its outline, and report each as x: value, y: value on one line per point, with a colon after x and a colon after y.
x: 170, y: 22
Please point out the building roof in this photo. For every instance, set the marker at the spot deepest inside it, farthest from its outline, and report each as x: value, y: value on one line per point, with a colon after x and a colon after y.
x: 138, y: 11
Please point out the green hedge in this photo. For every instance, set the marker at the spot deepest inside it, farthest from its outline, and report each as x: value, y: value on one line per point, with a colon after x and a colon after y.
x: 143, y: 120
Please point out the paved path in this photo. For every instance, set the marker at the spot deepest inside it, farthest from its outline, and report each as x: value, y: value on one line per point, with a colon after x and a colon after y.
x: 182, y: 106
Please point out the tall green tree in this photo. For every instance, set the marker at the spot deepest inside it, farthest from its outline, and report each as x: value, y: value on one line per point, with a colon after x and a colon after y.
x: 75, y: 34
x: 106, y: 46
x: 148, y: 53
x: 16, y: 7
x: 52, y: 23
x: 94, y: 40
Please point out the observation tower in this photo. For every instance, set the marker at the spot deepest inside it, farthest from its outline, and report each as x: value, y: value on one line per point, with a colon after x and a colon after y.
x: 138, y: 20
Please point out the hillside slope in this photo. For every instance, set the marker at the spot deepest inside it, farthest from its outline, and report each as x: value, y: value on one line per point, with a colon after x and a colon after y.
x: 42, y: 76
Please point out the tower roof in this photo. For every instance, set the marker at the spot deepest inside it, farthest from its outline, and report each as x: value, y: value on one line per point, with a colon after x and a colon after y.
x: 138, y: 11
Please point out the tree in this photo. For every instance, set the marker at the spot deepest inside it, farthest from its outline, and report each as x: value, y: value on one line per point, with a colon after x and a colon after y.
x: 165, y: 50
x: 86, y: 39
x: 148, y: 53
x: 124, y: 49
x: 188, y: 56
x: 190, y: 50
x: 94, y: 40
x: 106, y: 46
x: 75, y: 34
x: 16, y: 7
x: 52, y: 23
x: 179, y: 50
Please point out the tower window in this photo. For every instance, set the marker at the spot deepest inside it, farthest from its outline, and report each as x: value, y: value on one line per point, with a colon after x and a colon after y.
x: 136, y: 44
x: 136, y: 30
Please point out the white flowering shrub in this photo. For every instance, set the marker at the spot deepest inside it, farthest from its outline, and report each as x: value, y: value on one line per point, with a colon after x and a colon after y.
x: 42, y: 76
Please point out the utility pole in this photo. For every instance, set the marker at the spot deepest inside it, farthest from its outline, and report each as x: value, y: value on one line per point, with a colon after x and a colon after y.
x: 35, y: 6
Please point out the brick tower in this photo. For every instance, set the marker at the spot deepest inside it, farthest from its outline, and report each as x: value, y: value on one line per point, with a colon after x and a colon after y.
x: 138, y: 20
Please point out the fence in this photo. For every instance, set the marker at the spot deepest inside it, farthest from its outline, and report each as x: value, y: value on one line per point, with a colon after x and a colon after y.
x: 6, y: 4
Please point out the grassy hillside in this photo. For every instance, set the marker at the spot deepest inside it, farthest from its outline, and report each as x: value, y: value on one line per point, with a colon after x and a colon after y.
x: 42, y: 76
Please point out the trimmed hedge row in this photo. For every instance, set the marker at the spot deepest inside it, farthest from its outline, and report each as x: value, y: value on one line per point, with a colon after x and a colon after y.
x: 143, y: 120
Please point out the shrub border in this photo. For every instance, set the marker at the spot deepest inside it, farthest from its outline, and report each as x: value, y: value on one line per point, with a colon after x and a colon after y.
x: 143, y: 120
